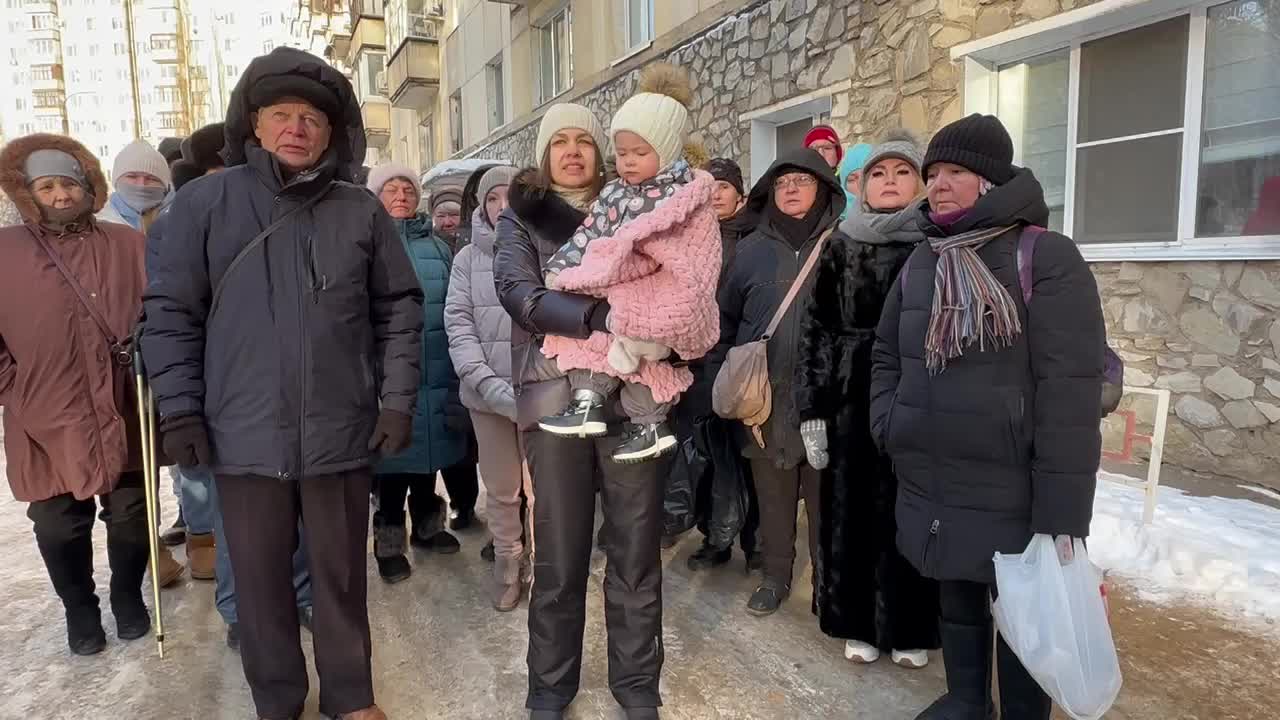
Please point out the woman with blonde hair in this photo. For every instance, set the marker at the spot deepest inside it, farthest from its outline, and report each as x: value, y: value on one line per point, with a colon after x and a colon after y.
x: 865, y: 592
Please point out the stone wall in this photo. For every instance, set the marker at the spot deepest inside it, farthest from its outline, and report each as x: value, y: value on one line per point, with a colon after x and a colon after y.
x: 765, y: 53
x: 1209, y: 333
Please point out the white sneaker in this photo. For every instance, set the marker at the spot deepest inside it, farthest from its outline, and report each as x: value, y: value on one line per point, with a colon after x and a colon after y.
x: 860, y: 652
x: 914, y: 659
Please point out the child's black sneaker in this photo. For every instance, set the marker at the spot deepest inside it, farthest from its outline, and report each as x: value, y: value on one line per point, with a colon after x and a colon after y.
x: 641, y: 443
x: 584, y: 418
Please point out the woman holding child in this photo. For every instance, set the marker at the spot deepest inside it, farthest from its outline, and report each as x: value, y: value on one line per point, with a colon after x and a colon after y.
x: 549, y: 206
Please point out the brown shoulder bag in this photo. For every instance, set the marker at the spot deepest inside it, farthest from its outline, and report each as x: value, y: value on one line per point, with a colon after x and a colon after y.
x: 742, y: 390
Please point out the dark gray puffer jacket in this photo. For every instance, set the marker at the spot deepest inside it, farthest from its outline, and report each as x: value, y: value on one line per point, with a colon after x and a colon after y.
x: 314, y: 330
x: 1003, y: 443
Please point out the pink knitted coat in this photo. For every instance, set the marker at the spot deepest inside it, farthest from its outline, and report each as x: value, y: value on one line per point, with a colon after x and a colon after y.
x: 674, y: 304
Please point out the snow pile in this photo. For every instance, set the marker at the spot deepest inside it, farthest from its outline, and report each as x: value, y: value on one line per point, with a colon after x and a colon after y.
x: 1218, y: 551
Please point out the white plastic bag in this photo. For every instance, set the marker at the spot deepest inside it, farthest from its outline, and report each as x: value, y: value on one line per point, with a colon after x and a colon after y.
x: 1054, y: 619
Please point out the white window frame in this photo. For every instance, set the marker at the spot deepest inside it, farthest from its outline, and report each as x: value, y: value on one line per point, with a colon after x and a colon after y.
x: 1070, y: 30
x: 496, y: 92
x: 646, y: 27
x: 562, y: 55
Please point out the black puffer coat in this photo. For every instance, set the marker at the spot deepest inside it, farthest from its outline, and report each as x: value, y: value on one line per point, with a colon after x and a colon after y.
x: 763, y: 268
x: 315, y: 329
x: 863, y: 588
x: 1002, y: 443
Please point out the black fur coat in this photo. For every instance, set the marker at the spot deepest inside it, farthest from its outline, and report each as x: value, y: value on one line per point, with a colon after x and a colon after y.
x: 864, y: 589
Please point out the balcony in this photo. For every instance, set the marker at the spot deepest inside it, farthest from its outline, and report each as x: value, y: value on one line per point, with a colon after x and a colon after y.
x: 166, y: 48
x: 368, y: 34
x: 47, y: 77
x: 376, y: 114
x: 413, y: 74
x: 40, y: 7
x: 365, y: 9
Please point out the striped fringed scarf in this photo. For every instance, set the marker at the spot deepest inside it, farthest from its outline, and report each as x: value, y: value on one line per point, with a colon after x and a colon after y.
x: 969, y: 304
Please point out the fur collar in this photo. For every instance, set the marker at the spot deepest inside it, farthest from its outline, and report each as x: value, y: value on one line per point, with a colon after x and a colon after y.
x: 13, y: 178
x: 542, y: 210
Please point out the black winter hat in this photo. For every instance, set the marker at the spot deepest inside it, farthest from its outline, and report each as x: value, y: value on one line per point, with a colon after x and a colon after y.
x: 171, y: 149
x: 726, y: 170
x: 978, y: 143
x: 202, y: 148
x: 183, y: 172
x: 272, y: 88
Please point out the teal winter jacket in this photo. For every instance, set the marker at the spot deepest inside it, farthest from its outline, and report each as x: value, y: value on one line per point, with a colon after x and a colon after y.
x: 435, y: 445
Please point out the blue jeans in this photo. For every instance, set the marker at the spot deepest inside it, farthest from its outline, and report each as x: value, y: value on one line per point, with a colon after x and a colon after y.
x: 225, y: 591
x: 194, y: 488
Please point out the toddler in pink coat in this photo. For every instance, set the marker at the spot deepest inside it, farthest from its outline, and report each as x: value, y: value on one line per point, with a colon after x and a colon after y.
x: 651, y: 246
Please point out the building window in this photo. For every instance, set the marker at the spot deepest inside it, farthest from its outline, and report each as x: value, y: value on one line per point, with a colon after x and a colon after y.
x: 638, y: 23
x: 496, y: 90
x: 554, y: 56
x: 455, y: 121
x: 226, y: 44
x: 116, y: 23
x: 413, y: 19
x: 43, y: 21
x: 370, y: 80
x: 427, y: 142
x: 119, y: 48
x: 264, y: 19
x: 88, y: 24
x: 232, y: 72
x: 267, y: 47
x: 1155, y: 142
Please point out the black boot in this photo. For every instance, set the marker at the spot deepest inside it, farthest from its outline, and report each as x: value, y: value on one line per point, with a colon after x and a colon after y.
x: 708, y: 556
x: 487, y: 552
x: 177, y: 533
x: 388, y: 550
x: 128, y: 550
x: 70, y: 566
x: 966, y: 653
x: 1021, y: 697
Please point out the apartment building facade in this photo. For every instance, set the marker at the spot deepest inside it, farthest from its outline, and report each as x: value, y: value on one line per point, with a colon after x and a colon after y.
x: 1154, y: 126
x: 70, y: 66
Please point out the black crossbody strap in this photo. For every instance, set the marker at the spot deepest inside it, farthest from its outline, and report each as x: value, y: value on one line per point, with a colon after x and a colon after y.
x: 258, y: 240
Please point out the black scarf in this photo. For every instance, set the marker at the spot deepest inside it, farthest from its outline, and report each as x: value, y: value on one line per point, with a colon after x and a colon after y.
x: 797, y: 231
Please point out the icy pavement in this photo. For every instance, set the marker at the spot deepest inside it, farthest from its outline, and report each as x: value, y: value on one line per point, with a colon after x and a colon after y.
x: 441, y: 653
x: 1221, y: 553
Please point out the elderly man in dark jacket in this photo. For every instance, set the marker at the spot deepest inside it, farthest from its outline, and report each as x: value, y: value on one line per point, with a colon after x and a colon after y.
x: 282, y: 331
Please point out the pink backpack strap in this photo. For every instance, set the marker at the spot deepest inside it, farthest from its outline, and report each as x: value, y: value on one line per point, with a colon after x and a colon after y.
x: 1026, y: 253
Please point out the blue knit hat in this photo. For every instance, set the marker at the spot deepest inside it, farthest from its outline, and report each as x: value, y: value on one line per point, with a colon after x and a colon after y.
x: 854, y: 160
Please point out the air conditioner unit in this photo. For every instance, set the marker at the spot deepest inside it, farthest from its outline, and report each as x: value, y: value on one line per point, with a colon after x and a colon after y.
x: 380, y: 82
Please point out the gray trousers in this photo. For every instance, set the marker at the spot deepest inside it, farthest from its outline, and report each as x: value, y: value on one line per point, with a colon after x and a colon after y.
x: 637, y: 400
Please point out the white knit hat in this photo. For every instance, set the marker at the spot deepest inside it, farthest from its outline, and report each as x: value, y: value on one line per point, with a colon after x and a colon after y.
x: 567, y: 115
x: 139, y: 157
x: 382, y: 174
x: 658, y: 112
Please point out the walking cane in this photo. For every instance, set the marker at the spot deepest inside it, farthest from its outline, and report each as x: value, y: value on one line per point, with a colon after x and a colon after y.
x: 146, y: 423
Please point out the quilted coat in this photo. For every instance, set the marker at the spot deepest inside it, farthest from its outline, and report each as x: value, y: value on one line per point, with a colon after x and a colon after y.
x: 64, y: 431
x: 1004, y: 443
x: 435, y: 445
x: 673, y: 305
x: 479, y: 327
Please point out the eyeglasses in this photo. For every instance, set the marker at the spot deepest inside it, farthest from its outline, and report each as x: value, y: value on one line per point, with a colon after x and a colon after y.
x: 796, y: 181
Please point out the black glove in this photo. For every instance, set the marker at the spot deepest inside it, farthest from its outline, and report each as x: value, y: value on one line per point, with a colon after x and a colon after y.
x: 185, y: 440
x: 392, y: 434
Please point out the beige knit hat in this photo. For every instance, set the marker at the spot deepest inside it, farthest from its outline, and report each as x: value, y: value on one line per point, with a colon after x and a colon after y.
x: 658, y: 112
x: 138, y: 156
x: 566, y: 115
